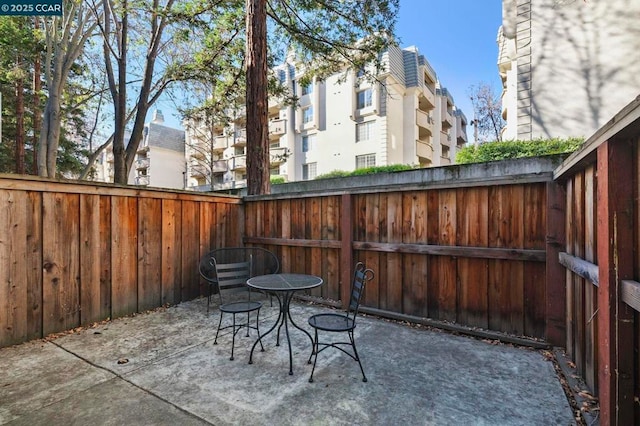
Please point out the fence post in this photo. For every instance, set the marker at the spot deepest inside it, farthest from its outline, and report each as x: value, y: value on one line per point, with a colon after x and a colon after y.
x: 615, y: 261
x: 346, y: 251
x: 555, y: 327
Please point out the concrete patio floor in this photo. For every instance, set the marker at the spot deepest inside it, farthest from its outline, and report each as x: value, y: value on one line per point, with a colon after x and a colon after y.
x: 171, y: 373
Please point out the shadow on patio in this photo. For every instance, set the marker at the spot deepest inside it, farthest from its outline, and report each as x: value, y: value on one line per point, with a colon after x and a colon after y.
x: 171, y: 373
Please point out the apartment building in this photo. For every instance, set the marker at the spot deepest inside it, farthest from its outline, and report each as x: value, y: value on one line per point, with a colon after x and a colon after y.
x: 567, y: 66
x: 404, y: 116
x: 160, y: 159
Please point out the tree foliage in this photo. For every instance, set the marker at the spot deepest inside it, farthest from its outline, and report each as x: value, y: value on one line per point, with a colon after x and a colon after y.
x: 367, y: 171
x: 494, y: 151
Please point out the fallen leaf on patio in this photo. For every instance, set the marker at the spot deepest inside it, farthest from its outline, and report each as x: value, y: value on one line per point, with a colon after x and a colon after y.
x: 123, y: 361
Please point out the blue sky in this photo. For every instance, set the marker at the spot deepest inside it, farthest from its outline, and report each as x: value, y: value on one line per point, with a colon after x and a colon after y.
x: 458, y: 38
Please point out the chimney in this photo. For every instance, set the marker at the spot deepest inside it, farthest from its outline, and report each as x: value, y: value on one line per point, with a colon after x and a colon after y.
x: 157, y: 117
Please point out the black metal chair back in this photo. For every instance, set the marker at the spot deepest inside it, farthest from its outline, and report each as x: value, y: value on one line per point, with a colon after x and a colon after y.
x: 231, y: 267
x: 341, y: 322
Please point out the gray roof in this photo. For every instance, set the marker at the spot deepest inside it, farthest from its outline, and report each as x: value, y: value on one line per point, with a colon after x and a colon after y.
x: 161, y: 136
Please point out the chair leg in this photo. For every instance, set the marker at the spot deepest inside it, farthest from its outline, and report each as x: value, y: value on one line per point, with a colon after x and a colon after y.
x: 258, y: 330
x: 233, y: 336
x: 215, y: 341
x: 355, y: 352
x: 314, y: 350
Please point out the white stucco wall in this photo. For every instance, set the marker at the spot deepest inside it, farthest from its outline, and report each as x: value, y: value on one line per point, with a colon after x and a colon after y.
x: 584, y: 63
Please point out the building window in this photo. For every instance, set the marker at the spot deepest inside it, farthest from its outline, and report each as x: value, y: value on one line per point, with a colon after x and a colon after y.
x: 309, y: 171
x: 361, y: 72
x: 307, y: 114
x: 364, y: 131
x: 308, y: 141
x: 365, y: 98
x: 274, y: 171
x: 307, y: 89
x: 367, y: 160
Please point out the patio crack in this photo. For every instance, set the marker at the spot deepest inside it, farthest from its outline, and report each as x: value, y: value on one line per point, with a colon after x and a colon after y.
x: 121, y: 377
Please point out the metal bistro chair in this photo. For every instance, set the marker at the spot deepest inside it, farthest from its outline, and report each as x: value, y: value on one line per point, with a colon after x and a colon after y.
x: 342, y: 322
x: 229, y: 269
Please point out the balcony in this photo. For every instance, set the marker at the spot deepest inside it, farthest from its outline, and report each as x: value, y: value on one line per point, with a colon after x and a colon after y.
x: 234, y: 184
x: 142, y: 163
x: 424, y: 150
x: 277, y: 128
x: 238, y: 163
x: 142, y: 180
x: 278, y: 155
x: 445, y: 139
x: 219, y: 143
x: 425, y: 122
x: 427, y: 98
x: 144, y: 147
x: 447, y: 119
x: 239, y: 138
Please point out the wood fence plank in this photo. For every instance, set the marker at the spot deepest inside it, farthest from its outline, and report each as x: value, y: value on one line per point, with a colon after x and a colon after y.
x: 33, y: 257
x: 372, y: 259
x: 13, y: 285
x: 534, y: 287
x: 433, y: 262
x: 447, y: 274
x: 61, y: 287
x: 315, y: 220
x: 555, y: 280
x: 472, y: 230
x: 284, y: 206
x: 415, y: 287
x: 90, y: 253
x: 105, y: 257
x: 149, y: 253
x: 578, y: 282
x: 124, y: 256
x: 172, y: 252
x: 330, y: 231
x: 191, y: 249
x: 590, y: 296
x: 569, y: 275
x: 349, y: 210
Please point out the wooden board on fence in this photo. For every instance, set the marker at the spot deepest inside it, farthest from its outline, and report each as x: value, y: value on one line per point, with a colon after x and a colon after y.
x: 415, y: 282
x: 284, y: 207
x: 577, y: 223
x: 447, y: 271
x: 190, y: 250
x: 433, y: 262
x: 372, y: 259
x: 534, y: 273
x: 90, y: 253
x: 105, y: 257
x: 149, y: 253
x: 124, y: 256
x: 33, y: 257
x: 330, y: 231
x: 13, y: 287
x: 171, y: 279
x: 314, y: 232
x: 61, y: 254
x: 569, y: 275
x: 472, y: 230
x: 590, y: 291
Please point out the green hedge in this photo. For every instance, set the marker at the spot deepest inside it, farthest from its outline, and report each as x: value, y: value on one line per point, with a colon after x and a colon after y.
x: 366, y: 171
x: 494, y: 151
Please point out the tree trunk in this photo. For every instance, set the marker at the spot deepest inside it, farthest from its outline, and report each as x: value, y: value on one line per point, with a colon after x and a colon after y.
x: 37, y: 86
x: 256, y: 99
x: 19, y: 86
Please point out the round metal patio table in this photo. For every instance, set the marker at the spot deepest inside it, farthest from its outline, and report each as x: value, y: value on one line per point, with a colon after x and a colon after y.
x: 283, y: 286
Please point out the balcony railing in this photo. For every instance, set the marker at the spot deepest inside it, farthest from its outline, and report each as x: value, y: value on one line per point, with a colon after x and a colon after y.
x: 424, y: 121
x: 142, y: 180
x: 219, y: 143
x: 424, y: 150
x: 447, y: 119
x: 238, y: 163
x: 239, y: 138
x: 445, y: 139
x: 278, y: 155
x: 142, y: 163
x: 277, y: 127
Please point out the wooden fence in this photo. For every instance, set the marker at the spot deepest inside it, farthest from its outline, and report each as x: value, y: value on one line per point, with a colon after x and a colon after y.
x: 602, y: 260
x: 72, y: 254
x: 451, y: 251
